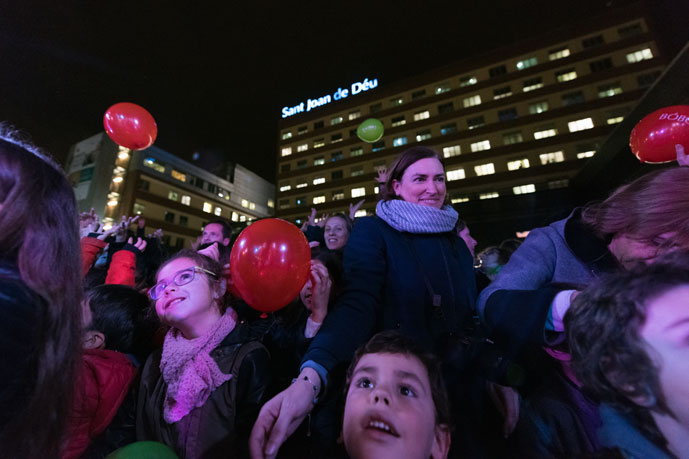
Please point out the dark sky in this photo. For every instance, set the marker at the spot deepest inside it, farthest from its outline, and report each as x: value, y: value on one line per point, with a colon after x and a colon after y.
x: 215, y: 75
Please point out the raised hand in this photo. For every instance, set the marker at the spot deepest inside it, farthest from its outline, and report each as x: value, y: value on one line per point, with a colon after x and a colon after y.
x: 321, y: 221
x: 382, y: 176
x: 354, y: 208
x: 311, y: 219
x: 682, y: 158
x: 320, y: 291
x: 139, y: 244
x: 211, y: 251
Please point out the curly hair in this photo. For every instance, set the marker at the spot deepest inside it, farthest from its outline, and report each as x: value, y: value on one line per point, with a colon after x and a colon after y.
x: 609, y: 356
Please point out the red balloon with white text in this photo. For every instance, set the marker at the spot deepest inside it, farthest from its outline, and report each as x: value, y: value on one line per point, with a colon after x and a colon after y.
x: 130, y: 126
x: 653, y: 139
x: 270, y: 263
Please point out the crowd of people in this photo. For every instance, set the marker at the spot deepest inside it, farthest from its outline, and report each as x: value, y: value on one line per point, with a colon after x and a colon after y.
x: 403, y: 343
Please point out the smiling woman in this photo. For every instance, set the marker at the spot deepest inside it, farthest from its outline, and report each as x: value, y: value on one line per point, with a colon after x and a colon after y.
x: 209, y: 372
x: 405, y: 269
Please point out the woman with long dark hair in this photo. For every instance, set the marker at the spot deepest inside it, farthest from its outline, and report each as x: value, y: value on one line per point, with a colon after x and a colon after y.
x: 40, y: 299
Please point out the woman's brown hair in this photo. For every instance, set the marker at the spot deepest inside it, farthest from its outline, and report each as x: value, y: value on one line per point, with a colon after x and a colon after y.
x: 400, y: 164
x: 39, y: 235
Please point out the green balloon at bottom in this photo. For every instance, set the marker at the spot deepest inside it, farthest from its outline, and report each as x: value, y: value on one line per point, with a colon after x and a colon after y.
x: 370, y: 130
x: 143, y: 449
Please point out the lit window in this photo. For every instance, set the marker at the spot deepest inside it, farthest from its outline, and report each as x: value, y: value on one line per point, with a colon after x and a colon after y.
x: 423, y: 135
x: 172, y: 195
x: 422, y: 115
x: 218, y: 211
x: 532, y: 83
x: 186, y: 200
x: 454, y: 150
x: 475, y: 122
x: 491, y: 195
x: 360, y: 213
x: 207, y: 207
x: 303, y: 147
x: 319, y: 199
x: 354, y: 115
x: 398, y: 141
x: 242, y: 218
x: 526, y: 63
x: 286, y: 151
x: 565, y: 75
x: 285, y: 188
x: 245, y: 203
x: 609, y: 90
x: 512, y: 137
x: 123, y: 153
x: 358, y: 192
x: 318, y: 143
x: 517, y: 164
x: 396, y: 101
x: 455, y: 174
x: 337, y: 195
x: 271, y: 203
x: 336, y: 138
x: 614, y: 119
x: 398, y: 121
x: 480, y: 146
x: 356, y: 171
x: 155, y: 165
x: 442, y: 88
x: 448, y: 129
x: 484, y: 169
x: 459, y: 199
x: 117, y: 179
x: 500, y: 93
x: 544, y: 133
x: 585, y: 154
x: 471, y: 101
x: 524, y: 189
x: 336, y: 120
x: 558, y: 53
x: 538, y: 107
x: 284, y: 202
x: 319, y: 161
x: 178, y: 175
x: 555, y: 184
x: 467, y: 81
x: 638, y: 56
x: 139, y: 209
x: 302, y: 184
x: 376, y: 189
x: 580, y: 125
x: 552, y: 157
x: 286, y: 135
x: 377, y: 146
x: 358, y: 151
x: 318, y: 180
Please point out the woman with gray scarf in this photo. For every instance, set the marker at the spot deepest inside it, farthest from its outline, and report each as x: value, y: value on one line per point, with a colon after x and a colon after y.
x: 405, y: 269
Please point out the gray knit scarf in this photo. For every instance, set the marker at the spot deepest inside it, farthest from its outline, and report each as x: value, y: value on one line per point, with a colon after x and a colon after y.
x: 414, y: 218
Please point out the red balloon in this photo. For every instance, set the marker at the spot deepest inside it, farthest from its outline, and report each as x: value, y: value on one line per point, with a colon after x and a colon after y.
x: 653, y: 139
x: 270, y: 263
x: 130, y: 126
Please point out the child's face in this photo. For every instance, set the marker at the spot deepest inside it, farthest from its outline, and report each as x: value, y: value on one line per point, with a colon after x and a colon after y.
x: 190, y: 308
x: 389, y: 412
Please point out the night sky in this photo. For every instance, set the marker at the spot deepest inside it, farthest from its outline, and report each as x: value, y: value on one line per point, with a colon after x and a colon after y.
x: 215, y: 74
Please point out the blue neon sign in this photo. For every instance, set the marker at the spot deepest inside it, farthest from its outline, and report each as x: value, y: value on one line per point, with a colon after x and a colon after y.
x: 340, y: 94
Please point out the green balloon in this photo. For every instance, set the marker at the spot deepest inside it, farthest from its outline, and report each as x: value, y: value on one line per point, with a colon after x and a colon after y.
x: 143, y: 449
x: 370, y: 130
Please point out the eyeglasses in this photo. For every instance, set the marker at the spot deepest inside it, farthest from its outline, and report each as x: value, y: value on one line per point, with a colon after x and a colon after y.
x: 180, y: 278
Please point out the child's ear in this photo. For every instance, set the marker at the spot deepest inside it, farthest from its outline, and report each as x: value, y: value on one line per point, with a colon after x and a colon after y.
x: 441, y: 442
x: 93, y: 339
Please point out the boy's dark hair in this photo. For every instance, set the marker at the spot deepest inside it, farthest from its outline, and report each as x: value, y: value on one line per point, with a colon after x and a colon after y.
x: 393, y: 342
x: 609, y: 356
x: 120, y: 314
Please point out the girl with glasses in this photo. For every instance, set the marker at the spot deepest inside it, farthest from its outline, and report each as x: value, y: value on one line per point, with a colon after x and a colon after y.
x: 201, y: 393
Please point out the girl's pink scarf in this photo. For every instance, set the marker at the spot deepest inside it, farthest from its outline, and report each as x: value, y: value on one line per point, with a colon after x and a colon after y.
x: 188, y: 369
